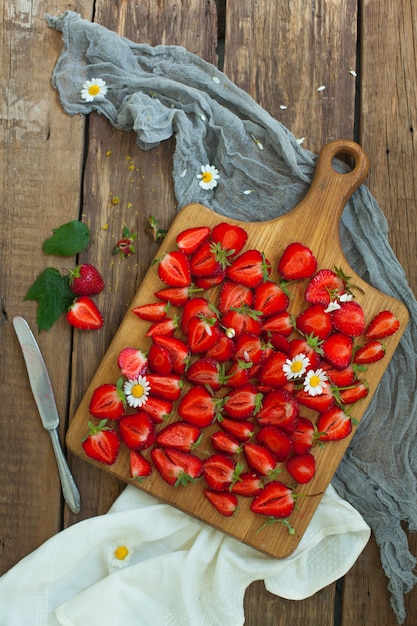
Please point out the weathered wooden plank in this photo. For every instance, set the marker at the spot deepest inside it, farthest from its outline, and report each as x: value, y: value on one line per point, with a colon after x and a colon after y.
x: 387, y: 124
x: 281, y: 53
x: 143, y: 182
x: 41, y: 159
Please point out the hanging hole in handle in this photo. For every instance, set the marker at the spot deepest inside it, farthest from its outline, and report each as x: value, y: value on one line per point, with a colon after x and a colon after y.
x: 349, y: 153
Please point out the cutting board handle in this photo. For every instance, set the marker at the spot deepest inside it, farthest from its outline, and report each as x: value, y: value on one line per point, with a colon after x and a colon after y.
x: 322, y: 207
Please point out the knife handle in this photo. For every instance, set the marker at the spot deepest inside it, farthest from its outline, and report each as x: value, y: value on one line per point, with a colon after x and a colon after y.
x: 69, y: 488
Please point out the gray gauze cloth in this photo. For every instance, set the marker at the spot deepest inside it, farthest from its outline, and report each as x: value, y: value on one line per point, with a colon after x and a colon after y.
x: 165, y: 90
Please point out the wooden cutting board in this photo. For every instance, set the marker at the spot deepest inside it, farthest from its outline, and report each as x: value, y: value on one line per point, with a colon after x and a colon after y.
x: 315, y: 223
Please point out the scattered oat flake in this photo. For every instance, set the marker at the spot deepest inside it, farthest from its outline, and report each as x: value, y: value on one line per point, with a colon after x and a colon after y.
x: 282, y: 107
x: 353, y: 73
x: 321, y: 88
x: 183, y: 173
x: 248, y: 191
x: 301, y: 140
x: 216, y: 80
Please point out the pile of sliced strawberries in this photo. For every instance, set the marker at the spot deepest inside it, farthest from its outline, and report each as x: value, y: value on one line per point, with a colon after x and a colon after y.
x: 224, y: 403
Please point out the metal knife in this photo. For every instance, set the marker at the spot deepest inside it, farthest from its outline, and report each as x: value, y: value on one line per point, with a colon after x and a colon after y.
x: 45, y: 401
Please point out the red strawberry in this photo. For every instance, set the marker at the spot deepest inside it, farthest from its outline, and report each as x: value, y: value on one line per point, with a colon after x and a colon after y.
x: 249, y: 348
x: 317, y: 403
x: 199, y: 407
x: 220, y: 471
x: 248, y: 485
x: 271, y: 373
x: 223, y: 350
x: 167, y: 327
x: 242, y: 402
x: 233, y: 296
x: 242, y: 320
x: 337, y: 350
x: 270, y: 298
x: 102, y: 443
x: 278, y: 342
x: 174, y: 269
x: 260, y: 459
x: 171, y: 472
x: 334, y: 424
x: 354, y: 393
x: 192, y: 308
x: 371, y: 352
x: 209, y: 260
x: 304, y: 436
x: 323, y: 286
x: 279, y: 408
x: 243, y: 430
x: 190, y: 239
x: 223, y: 442
x: 153, y: 312
x: 132, y: 363
x: 139, y: 466
x: 314, y: 321
x: 167, y: 387
x: 207, y: 282
x: 86, y: 280
x: 84, y: 314
x: 230, y: 236
x: 177, y: 349
x: 179, y: 435
x: 383, y: 325
x: 177, y: 296
x: 206, y: 371
x: 275, y: 500
x: 349, y: 319
x: 203, y: 333
x: 239, y: 373
x: 310, y: 346
x: 250, y: 268
x: 281, y: 323
x: 159, y: 360
x: 158, y: 409
x: 108, y: 400
x: 224, y: 503
x: 302, y: 467
x: 276, y: 440
x: 191, y: 464
x: 297, y: 261
x: 339, y: 378
x: 137, y: 430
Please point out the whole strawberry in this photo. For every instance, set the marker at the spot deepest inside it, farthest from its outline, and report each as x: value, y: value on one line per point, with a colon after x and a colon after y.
x: 86, y: 280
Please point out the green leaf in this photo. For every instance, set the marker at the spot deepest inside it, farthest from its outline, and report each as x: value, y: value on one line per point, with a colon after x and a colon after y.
x: 67, y: 240
x: 52, y: 293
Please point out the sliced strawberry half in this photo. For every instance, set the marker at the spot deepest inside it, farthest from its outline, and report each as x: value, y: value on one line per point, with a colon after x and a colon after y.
x: 276, y: 440
x: 158, y: 409
x: 152, y: 312
x: 279, y: 408
x: 271, y: 373
x: 314, y: 321
x: 159, y: 360
x: 220, y: 471
x: 191, y: 464
x: 210, y: 259
x: 177, y: 296
x: 310, y: 346
x: 281, y: 323
x: 167, y: 387
x: 137, y: 430
x: 84, y: 314
x: 317, y: 403
x: 174, y: 269
x: 139, y: 466
x: 203, y: 333
x: 337, y: 350
x: 223, y: 350
x: 233, y: 296
x: 354, y: 393
x: 260, y: 459
x: 275, y: 500
x: 334, y: 424
x: 243, y: 430
x: 108, y: 401
x: 180, y: 435
x: 371, y: 352
x: 192, y: 238
x: 242, y: 402
x: 132, y: 362
x: 250, y: 268
x: 302, y: 467
x: 192, y: 308
x: 177, y: 349
x: 249, y: 348
x: 349, y: 319
x: 304, y: 436
x: 170, y: 471
x: 324, y: 286
x: 239, y: 373
x: 223, y: 442
x: 225, y: 503
x: 242, y: 320
x: 270, y: 298
x: 199, y: 407
x: 231, y: 237
x: 297, y: 261
x: 167, y: 327
x: 248, y: 485
x: 102, y: 443
x: 383, y: 325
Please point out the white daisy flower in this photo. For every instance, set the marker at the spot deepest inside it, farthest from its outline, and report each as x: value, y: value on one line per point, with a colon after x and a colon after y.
x: 119, y: 553
x: 315, y: 382
x: 94, y: 89
x: 208, y: 177
x: 333, y: 306
x: 137, y: 391
x: 296, y: 367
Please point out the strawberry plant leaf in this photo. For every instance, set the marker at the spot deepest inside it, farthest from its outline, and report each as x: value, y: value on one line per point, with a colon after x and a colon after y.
x: 67, y: 240
x: 52, y: 293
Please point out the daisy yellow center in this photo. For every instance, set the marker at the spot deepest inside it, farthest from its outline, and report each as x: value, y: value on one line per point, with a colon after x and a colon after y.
x: 207, y: 177
x: 296, y: 366
x: 121, y: 553
x: 314, y: 381
x: 94, y: 90
x: 137, y: 391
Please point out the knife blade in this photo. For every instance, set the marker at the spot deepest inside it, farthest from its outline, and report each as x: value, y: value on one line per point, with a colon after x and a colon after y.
x: 45, y: 401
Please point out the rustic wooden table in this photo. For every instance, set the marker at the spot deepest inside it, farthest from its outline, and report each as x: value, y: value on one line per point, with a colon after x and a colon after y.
x: 54, y: 168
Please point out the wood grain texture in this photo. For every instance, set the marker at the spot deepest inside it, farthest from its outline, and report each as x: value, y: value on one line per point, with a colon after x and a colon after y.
x: 326, y: 199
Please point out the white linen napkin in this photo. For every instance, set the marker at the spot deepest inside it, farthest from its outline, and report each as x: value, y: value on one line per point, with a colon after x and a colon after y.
x: 178, y: 572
